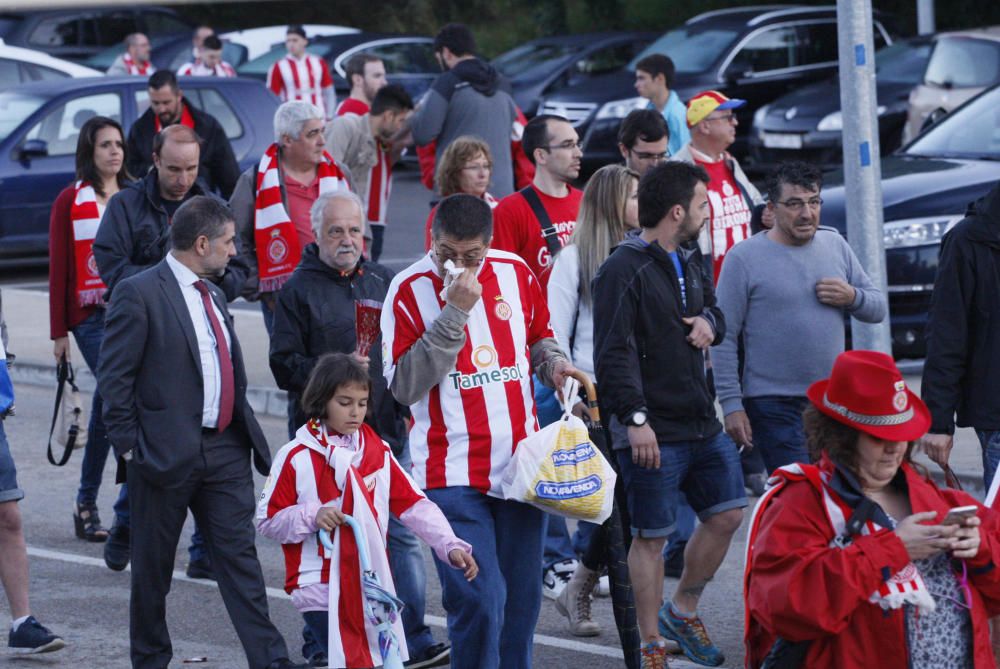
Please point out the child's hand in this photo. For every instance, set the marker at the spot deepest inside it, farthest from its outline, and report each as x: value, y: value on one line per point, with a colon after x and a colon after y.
x: 327, y: 518
x: 464, y: 561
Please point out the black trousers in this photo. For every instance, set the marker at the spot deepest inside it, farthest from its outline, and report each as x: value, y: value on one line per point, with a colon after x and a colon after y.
x: 220, y: 494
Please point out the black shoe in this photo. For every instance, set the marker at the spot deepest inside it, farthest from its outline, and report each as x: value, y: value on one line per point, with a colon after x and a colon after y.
x: 285, y: 663
x: 87, y: 523
x: 437, y: 655
x: 673, y: 564
x: 116, y: 548
x: 201, y: 568
x: 318, y: 660
x: 33, y: 637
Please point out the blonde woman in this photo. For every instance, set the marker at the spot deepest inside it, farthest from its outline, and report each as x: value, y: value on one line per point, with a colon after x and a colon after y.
x: 609, y: 209
x: 466, y: 166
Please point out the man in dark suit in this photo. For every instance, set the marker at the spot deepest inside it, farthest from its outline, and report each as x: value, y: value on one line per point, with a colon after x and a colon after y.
x: 177, y: 413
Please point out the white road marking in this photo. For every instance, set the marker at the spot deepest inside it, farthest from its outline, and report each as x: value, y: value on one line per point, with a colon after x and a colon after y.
x: 437, y: 621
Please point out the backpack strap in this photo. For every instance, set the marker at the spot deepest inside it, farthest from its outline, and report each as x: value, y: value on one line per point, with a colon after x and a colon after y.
x: 548, y: 229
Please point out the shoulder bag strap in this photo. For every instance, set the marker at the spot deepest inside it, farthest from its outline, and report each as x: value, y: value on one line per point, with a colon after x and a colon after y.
x: 548, y: 229
x: 64, y: 375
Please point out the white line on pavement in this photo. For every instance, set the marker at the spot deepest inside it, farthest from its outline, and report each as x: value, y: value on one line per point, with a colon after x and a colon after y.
x: 437, y: 621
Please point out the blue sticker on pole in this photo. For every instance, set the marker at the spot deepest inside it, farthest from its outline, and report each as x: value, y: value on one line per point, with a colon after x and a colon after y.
x: 866, y: 154
x: 859, y: 54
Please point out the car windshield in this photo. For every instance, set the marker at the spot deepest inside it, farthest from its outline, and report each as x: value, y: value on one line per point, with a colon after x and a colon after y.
x: 15, y: 108
x: 972, y: 131
x: 531, y: 61
x: 692, y: 48
x: 964, y: 62
x: 102, y: 60
x: 903, y: 62
x: 260, y: 65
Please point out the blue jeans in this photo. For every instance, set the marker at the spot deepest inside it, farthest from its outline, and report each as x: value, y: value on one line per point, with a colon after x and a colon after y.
x: 491, y: 620
x: 777, y: 429
x: 315, y: 633
x: 293, y: 399
x: 990, y: 442
x: 88, y: 335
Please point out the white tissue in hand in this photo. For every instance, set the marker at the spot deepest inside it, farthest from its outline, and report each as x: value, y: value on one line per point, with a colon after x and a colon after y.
x: 451, y: 271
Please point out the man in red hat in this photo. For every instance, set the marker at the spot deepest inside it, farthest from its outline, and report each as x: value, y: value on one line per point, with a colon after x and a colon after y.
x: 733, y: 199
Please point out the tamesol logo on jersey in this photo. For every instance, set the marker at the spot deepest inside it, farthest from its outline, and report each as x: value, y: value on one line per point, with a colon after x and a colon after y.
x: 484, y: 357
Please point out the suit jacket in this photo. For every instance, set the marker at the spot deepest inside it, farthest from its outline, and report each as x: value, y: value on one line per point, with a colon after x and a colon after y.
x: 151, y: 382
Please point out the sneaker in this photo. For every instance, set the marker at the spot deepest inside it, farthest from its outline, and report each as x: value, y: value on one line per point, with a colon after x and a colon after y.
x: 755, y: 483
x: 200, y: 568
x: 116, y: 548
x: 317, y: 661
x: 437, y: 655
x: 33, y: 637
x: 603, y: 588
x: 574, y: 602
x: 691, y: 635
x: 654, y: 655
x: 555, y: 578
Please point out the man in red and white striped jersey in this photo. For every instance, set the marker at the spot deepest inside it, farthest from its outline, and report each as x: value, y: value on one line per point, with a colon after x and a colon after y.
x: 301, y: 76
x: 460, y: 350
x: 364, y: 144
x: 209, y: 62
x: 366, y: 75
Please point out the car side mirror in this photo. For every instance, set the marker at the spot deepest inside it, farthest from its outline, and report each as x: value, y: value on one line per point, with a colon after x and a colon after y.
x: 34, y: 148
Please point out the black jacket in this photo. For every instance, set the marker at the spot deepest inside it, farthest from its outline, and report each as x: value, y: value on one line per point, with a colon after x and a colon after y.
x: 134, y: 235
x: 962, y: 369
x: 314, y: 314
x: 641, y: 354
x: 216, y: 165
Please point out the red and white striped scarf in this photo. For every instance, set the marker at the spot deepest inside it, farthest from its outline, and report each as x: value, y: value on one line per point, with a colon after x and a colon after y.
x: 278, y: 248
x: 85, y: 216
x: 352, y: 641
x: 904, y: 587
x: 199, y: 69
x: 379, y: 184
x: 135, y: 68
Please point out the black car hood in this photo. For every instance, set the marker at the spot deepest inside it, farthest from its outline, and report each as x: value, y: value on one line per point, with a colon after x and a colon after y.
x: 811, y: 103
x: 914, y: 186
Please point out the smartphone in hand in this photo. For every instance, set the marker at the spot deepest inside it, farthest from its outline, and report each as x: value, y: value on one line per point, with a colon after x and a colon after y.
x: 959, y: 514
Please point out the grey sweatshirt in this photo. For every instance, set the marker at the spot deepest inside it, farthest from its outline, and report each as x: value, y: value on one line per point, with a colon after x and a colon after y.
x: 767, y: 292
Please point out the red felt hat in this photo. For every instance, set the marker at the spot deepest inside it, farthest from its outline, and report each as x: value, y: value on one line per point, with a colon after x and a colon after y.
x: 867, y: 392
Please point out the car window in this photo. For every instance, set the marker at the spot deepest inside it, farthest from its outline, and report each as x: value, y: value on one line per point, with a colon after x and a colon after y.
x: 902, y: 62
x: 10, y: 73
x: 56, y: 31
x: 606, y: 60
x: 60, y: 128
x: 963, y: 62
x: 114, y: 27
x: 15, y: 108
x: 819, y: 44
x: 161, y: 22
x: 972, y: 131
x: 774, y: 49
x: 206, y: 99
x: 33, y: 72
x: 532, y: 60
x: 402, y: 57
x: 692, y: 48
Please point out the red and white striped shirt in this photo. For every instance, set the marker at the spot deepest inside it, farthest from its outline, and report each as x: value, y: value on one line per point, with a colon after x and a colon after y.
x: 379, y: 185
x: 301, y: 79
x: 467, y: 427
x: 198, y: 69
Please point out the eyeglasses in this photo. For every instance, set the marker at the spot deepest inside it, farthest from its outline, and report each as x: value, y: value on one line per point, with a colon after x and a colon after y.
x: 478, y: 167
x: 645, y: 155
x: 568, y: 145
x: 729, y: 118
x: 469, y: 260
x: 797, y: 205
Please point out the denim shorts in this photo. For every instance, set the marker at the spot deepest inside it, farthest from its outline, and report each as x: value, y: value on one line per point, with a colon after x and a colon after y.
x: 707, y: 471
x: 9, y: 490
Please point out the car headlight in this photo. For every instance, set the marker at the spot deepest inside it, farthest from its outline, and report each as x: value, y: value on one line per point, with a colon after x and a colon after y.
x: 621, y: 108
x: 758, y: 118
x: 917, y: 231
x: 835, y: 121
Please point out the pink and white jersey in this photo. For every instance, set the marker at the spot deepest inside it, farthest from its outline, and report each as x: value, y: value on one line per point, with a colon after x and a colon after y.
x: 467, y: 427
x: 300, y: 79
x: 379, y: 185
x: 199, y: 69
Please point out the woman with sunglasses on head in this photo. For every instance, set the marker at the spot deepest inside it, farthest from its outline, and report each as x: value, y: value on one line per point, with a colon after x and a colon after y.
x: 466, y: 167
x: 76, y: 291
x: 860, y: 559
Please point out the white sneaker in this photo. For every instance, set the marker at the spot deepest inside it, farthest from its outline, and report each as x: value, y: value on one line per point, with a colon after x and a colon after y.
x: 603, y: 588
x: 556, y: 577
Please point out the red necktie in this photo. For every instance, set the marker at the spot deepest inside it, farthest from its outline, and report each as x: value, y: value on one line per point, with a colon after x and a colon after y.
x: 225, y: 361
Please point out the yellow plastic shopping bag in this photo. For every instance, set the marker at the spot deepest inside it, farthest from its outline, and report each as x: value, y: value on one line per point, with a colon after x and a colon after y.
x: 559, y: 470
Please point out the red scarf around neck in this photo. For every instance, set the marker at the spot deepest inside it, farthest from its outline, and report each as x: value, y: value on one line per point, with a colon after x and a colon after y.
x: 85, y: 217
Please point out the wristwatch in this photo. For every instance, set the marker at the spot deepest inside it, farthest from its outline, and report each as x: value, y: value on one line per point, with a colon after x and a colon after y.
x: 637, y: 419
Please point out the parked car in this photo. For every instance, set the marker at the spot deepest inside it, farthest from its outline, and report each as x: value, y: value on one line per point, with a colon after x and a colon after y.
x: 926, y: 188
x: 754, y: 53
x: 167, y: 52
x: 541, y: 67
x: 806, y: 124
x: 962, y: 65
x: 21, y: 66
x: 40, y: 124
x: 259, y: 41
x: 76, y: 34
x: 409, y: 59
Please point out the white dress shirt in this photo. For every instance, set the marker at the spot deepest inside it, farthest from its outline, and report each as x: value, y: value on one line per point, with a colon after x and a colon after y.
x: 210, y: 372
